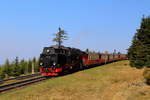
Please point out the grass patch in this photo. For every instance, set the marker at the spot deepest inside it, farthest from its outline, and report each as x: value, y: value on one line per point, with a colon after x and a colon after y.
x: 115, y: 81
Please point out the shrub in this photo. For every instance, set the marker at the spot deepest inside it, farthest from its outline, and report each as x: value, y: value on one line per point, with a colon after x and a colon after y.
x: 146, y: 75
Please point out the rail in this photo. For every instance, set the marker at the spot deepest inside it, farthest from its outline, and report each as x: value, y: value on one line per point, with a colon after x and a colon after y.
x: 19, y: 84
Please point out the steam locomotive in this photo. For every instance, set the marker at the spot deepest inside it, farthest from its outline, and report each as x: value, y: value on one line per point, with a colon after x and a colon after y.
x: 57, y: 60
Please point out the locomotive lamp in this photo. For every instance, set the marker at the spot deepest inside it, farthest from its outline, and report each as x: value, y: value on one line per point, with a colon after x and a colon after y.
x: 41, y: 64
x: 54, y: 63
x: 47, y: 50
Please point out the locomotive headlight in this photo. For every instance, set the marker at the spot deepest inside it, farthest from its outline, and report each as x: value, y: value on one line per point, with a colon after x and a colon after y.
x: 47, y: 50
x: 41, y: 64
x: 54, y: 63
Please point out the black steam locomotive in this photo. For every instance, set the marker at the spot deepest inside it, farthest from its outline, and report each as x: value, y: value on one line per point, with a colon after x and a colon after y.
x: 57, y: 59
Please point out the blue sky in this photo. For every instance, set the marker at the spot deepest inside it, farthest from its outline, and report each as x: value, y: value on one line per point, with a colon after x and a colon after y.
x: 26, y: 26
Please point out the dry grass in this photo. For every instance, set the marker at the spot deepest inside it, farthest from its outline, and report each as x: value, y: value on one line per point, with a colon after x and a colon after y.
x: 146, y: 75
x: 116, y: 81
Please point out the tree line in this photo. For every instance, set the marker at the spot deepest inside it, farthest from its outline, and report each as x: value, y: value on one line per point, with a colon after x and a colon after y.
x: 18, y: 67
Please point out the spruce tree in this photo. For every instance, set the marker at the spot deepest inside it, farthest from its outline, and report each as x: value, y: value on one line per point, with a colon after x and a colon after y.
x: 139, y: 51
x: 60, y: 36
x: 17, y: 68
x: 29, y: 66
x: 7, y: 69
x: 23, y: 66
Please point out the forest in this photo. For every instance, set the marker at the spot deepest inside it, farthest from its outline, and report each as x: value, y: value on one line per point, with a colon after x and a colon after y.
x: 18, y: 67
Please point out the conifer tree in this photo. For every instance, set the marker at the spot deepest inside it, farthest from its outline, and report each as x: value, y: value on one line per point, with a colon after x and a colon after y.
x: 23, y: 66
x: 29, y: 66
x: 139, y: 51
x: 7, y: 69
x: 60, y: 36
x: 17, y: 69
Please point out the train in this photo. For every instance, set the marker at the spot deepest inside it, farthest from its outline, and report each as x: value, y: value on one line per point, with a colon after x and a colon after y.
x: 57, y: 60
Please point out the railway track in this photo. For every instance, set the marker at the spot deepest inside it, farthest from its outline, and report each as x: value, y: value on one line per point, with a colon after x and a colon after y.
x: 17, y: 79
x: 20, y: 83
x: 21, y: 77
